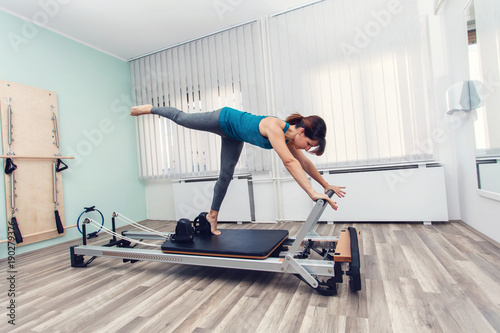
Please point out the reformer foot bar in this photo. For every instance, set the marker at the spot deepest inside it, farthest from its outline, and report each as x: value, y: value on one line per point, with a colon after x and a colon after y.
x: 248, y: 249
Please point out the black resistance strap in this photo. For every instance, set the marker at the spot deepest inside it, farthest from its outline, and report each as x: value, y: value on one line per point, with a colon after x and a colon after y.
x: 17, y: 232
x: 60, y: 166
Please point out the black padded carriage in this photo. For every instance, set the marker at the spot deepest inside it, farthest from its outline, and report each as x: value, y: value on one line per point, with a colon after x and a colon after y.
x: 232, y: 243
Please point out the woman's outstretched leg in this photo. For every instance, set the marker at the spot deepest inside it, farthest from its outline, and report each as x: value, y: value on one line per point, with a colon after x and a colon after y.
x: 202, y: 121
x: 230, y: 150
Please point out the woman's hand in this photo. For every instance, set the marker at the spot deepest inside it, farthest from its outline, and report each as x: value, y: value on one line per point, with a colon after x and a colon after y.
x: 337, y: 189
x: 317, y: 196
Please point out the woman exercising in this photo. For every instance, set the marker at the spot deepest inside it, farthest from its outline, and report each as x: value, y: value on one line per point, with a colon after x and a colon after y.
x: 287, y: 138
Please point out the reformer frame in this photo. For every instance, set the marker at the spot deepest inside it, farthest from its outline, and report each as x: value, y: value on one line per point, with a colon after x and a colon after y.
x: 293, y: 257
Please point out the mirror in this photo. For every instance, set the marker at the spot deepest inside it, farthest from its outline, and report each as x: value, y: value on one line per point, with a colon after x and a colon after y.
x: 483, y: 27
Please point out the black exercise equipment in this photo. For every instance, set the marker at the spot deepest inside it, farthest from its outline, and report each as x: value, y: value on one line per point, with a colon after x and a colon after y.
x: 57, y: 168
x: 248, y: 249
x: 85, y: 211
x: 17, y: 232
x: 184, y: 232
x: 353, y: 272
x: 201, y: 224
x: 9, y: 166
x: 59, y: 226
x: 232, y: 243
x: 60, y: 168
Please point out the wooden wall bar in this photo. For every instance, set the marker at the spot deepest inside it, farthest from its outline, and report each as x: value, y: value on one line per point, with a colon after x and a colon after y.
x: 34, y: 147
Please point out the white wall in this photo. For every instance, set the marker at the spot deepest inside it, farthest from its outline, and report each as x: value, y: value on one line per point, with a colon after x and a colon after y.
x: 92, y: 89
x: 457, y: 151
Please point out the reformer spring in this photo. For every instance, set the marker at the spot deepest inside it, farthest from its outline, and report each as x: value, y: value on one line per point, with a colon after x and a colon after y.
x: 139, y: 226
x: 112, y: 233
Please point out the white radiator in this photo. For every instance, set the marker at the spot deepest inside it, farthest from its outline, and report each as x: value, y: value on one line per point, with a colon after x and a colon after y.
x: 413, y: 194
x: 192, y: 198
x: 416, y: 194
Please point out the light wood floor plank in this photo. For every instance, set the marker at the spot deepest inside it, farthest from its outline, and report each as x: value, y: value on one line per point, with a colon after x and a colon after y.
x: 400, y: 315
x: 415, y: 278
x: 423, y: 315
x: 379, y: 315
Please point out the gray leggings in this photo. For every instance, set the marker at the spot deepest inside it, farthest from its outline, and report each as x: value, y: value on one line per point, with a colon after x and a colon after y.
x: 230, y: 149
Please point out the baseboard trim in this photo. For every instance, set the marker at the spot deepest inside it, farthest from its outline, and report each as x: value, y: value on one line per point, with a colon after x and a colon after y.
x: 478, y: 233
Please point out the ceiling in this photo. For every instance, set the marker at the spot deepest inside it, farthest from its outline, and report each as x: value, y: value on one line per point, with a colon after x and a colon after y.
x: 127, y: 29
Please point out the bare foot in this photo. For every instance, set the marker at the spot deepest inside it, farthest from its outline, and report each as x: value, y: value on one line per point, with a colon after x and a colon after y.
x: 212, y: 219
x: 140, y: 110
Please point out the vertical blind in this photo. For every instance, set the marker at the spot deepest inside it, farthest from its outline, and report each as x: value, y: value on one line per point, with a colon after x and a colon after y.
x: 362, y: 66
x: 223, y: 69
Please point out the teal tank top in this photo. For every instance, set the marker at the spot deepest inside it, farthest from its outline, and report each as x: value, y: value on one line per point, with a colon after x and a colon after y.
x: 244, y: 126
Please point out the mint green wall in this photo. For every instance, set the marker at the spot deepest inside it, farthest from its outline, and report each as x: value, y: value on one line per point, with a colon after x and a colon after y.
x: 94, y: 98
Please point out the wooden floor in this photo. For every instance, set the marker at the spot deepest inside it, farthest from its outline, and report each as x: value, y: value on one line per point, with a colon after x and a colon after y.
x: 416, y: 278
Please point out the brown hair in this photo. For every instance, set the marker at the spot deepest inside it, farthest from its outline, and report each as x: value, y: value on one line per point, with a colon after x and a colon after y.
x: 314, y: 128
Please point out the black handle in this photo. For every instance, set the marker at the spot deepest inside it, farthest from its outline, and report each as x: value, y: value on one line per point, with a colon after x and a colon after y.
x: 9, y: 166
x: 60, y: 168
x: 89, y: 209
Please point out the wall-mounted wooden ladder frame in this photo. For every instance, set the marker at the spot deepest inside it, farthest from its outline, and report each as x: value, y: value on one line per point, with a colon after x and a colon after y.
x: 32, y: 143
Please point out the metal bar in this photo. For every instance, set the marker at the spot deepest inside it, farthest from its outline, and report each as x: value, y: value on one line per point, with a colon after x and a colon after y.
x: 291, y: 263
x: 319, y: 241
x: 317, y: 238
x: 295, y: 8
x: 311, y: 220
x: 12, y: 193
x: 144, y: 235
x: 312, y: 267
x: 56, y: 127
x: 289, y: 241
x: 54, y: 175
x: 84, y: 231
x: 38, y: 157
x: 317, y: 267
x: 312, y: 233
x: 190, y: 40
x: 270, y: 264
x: 310, y: 223
x: 113, y: 225
x: 9, y: 122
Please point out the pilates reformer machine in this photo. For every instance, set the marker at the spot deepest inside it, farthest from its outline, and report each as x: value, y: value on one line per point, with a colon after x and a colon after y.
x: 248, y: 249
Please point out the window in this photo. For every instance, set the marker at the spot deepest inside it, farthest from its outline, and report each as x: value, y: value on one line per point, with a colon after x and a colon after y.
x: 224, y: 69
x: 362, y: 66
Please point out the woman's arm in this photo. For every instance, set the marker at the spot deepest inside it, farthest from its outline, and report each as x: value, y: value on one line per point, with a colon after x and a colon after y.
x: 277, y: 138
x: 311, y: 170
